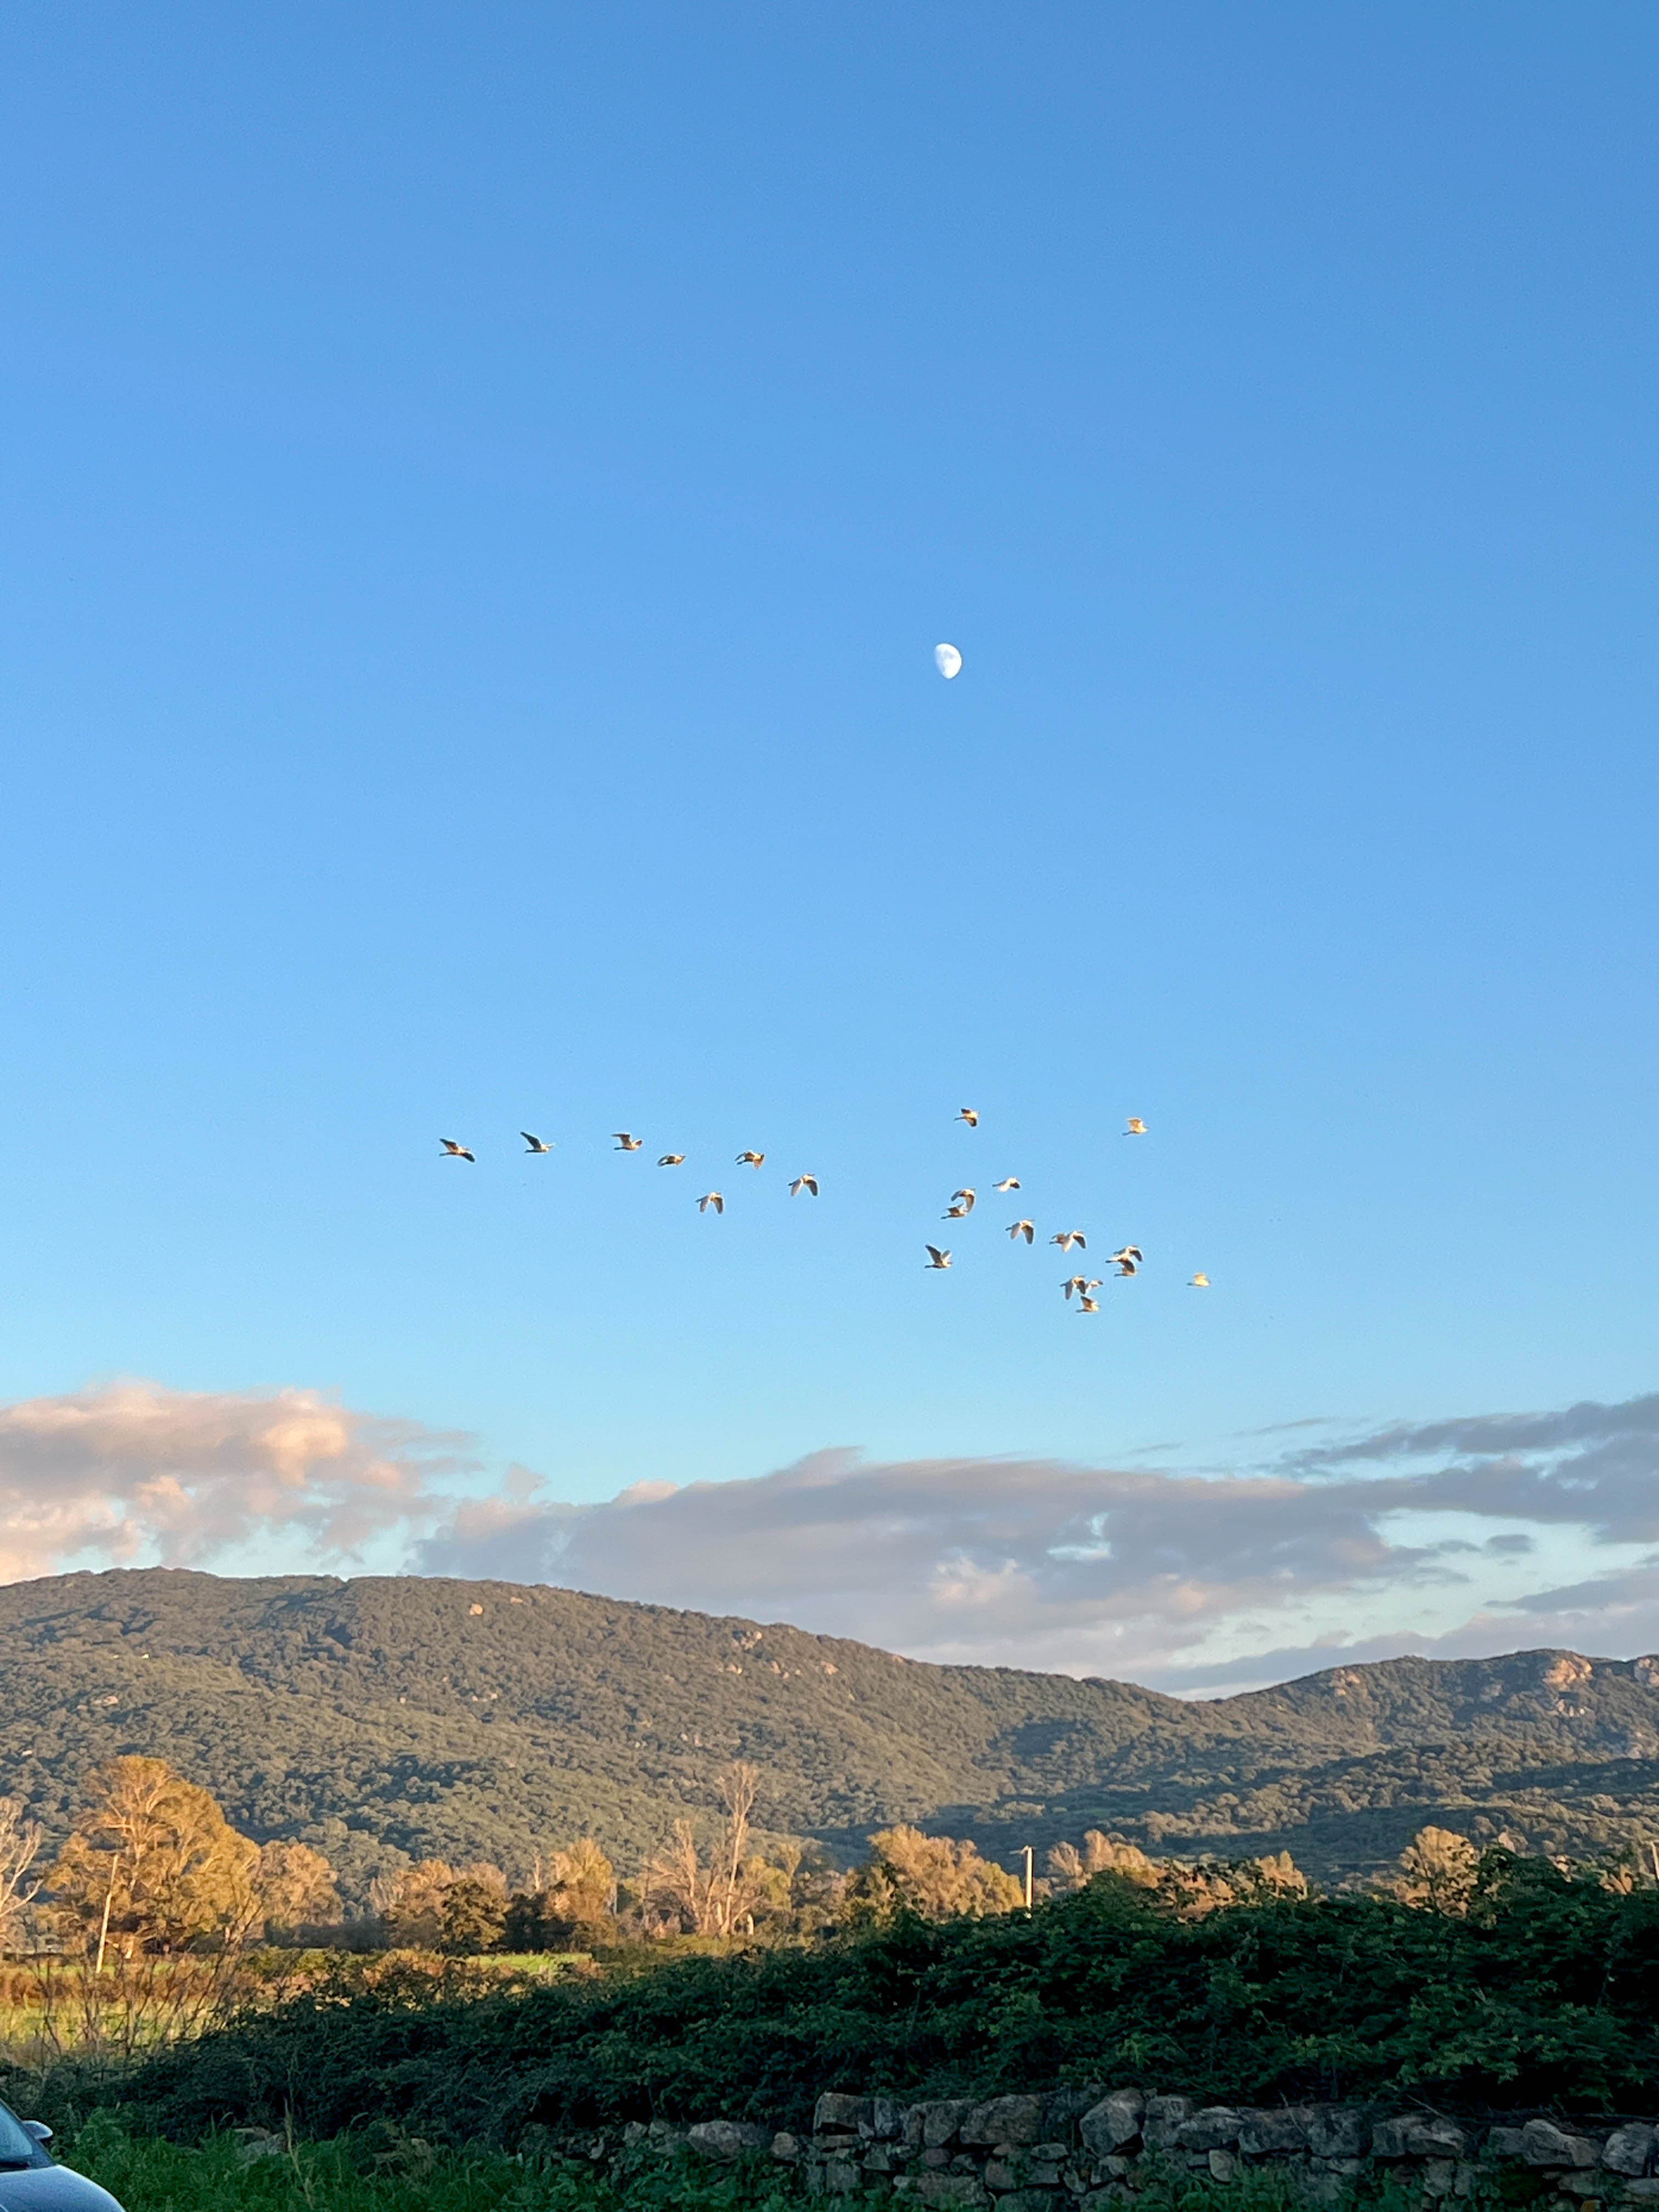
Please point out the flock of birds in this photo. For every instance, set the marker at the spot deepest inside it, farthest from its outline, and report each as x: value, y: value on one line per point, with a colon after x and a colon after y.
x: 1127, y: 1260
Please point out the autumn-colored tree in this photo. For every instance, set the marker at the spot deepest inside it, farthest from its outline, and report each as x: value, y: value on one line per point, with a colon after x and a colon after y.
x: 723, y: 1897
x: 20, y: 1846
x: 412, y: 1904
x: 1438, y: 1871
x: 296, y: 1888
x: 1069, y: 1868
x: 153, y: 1865
x: 937, y: 1876
x: 409, y: 1905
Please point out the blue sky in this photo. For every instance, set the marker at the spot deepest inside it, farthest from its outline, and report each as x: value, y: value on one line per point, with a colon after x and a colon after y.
x: 481, y: 491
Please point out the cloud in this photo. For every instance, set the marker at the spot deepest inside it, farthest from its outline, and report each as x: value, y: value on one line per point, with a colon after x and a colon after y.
x: 132, y: 1472
x: 1456, y: 1536
x: 1448, y: 1538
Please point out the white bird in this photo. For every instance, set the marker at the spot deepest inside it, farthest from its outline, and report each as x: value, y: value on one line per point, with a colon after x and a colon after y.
x: 1067, y: 1238
x: 750, y: 1159
x: 455, y: 1151
x: 1008, y: 1183
x: 947, y: 660
x: 1127, y: 1266
x: 671, y: 1160
x: 1200, y: 1282
x: 1025, y: 1229
x: 625, y: 1143
x: 803, y: 1182
x: 1137, y: 1128
x: 1088, y: 1305
x: 534, y: 1144
x: 964, y: 1199
x: 935, y: 1257
x: 971, y: 1116
x: 1074, y: 1283
x: 711, y: 1198
x: 954, y: 1213
x: 1129, y: 1253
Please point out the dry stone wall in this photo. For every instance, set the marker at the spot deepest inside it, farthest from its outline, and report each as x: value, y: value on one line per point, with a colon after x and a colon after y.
x: 1075, y: 2148
x: 1083, y: 2151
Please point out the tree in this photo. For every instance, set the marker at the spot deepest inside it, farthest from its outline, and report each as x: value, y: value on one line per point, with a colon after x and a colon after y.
x: 20, y: 1846
x: 296, y: 1888
x: 413, y: 1905
x: 583, y: 1884
x: 723, y: 1898
x: 472, y: 1917
x: 409, y: 1904
x: 153, y: 1865
x: 936, y: 1876
x: 1069, y: 1868
x: 1438, y: 1871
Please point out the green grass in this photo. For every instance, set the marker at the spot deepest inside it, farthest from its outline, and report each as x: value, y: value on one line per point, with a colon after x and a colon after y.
x: 374, y: 2169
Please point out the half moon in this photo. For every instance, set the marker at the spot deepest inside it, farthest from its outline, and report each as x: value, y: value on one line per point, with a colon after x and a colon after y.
x: 947, y: 660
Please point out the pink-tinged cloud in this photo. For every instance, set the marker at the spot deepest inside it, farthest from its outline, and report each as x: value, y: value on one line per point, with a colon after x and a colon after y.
x: 133, y: 1471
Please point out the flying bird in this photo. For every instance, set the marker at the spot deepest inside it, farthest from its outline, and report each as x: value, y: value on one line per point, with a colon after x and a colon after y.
x: 1137, y: 1128
x: 1129, y: 1253
x: 1125, y: 1267
x: 625, y: 1143
x: 1025, y: 1229
x: 947, y: 660
x: 671, y: 1160
x: 971, y: 1116
x: 1074, y: 1283
x: 803, y: 1182
x: 964, y: 1199
x: 711, y: 1198
x: 455, y: 1151
x: 1067, y: 1238
x: 954, y: 1213
x: 1088, y: 1305
x: 534, y: 1144
x: 1008, y: 1183
x: 1200, y: 1282
x: 750, y: 1159
x: 935, y: 1257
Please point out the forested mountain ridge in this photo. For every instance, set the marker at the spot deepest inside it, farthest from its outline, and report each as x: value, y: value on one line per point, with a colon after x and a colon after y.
x: 393, y: 1715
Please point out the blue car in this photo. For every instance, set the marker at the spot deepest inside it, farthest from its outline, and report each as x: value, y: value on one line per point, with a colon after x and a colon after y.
x: 31, y: 2180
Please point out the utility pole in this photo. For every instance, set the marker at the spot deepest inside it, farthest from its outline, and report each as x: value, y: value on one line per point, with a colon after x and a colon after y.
x: 103, y: 1932
x: 1653, y: 1853
x: 1026, y: 1848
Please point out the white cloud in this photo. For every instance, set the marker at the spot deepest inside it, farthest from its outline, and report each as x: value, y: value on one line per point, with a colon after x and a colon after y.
x: 1465, y: 1535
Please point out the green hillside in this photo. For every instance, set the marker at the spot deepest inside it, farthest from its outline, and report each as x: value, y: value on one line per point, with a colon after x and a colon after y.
x: 390, y: 1715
